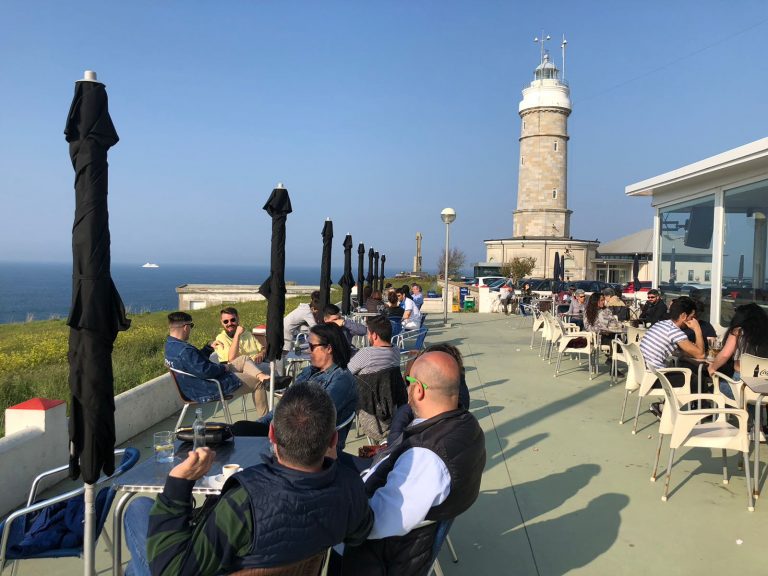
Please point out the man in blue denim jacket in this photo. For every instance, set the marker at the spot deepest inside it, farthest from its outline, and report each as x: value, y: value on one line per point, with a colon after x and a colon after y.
x: 181, y: 355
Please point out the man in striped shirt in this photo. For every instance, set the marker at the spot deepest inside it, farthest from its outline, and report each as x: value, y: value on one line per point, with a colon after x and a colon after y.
x: 666, y: 336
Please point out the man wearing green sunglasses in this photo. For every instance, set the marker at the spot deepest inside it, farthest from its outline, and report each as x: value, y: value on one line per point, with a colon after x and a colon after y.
x: 433, y: 470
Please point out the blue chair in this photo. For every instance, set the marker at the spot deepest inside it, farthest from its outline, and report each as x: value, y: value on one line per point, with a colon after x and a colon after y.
x: 441, y: 536
x: 15, y: 527
x: 397, y: 325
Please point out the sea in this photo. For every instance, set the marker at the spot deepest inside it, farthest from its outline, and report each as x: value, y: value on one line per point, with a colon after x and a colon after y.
x: 35, y: 291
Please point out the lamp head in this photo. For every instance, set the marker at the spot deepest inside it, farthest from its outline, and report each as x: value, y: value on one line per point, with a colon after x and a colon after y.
x: 448, y: 215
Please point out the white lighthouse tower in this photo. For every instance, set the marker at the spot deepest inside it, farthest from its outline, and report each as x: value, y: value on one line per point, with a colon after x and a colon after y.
x: 542, y: 193
x: 542, y: 220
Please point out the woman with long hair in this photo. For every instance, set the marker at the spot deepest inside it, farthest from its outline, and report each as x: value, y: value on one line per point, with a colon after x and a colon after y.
x: 329, y: 355
x: 598, y: 318
x: 747, y: 333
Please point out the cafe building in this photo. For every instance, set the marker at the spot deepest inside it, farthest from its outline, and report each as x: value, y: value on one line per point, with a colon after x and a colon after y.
x: 710, y: 229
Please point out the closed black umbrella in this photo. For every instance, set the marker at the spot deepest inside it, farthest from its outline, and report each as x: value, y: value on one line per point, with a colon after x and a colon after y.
x: 672, y: 267
x: 556, y: 271
x: 375, y: 270
x: 347, y: 280
x: 369, y: 278
x: 325, y: 265
x: 273, y: 288
x: 360, y: 273
x: 562, y: 268
x: 636, y: 272
x: 97, y: 312
x: 381, y: 278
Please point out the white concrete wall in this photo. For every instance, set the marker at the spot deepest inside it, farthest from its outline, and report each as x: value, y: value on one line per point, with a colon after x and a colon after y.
x: 28, y: 451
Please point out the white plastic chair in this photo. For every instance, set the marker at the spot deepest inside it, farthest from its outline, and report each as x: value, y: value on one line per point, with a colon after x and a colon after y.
x: 537, y: 326
x: 685, y: 428
x: 645, y: 379
x: 565, y: 346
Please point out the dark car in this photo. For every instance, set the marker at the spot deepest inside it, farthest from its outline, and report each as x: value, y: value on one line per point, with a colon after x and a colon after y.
x: 590, y: 286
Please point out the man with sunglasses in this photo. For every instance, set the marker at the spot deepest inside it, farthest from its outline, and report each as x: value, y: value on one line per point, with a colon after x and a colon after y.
x: 654, y: 308
x: 432, y: 472
x: 181, y: 355
x: 241, y: 350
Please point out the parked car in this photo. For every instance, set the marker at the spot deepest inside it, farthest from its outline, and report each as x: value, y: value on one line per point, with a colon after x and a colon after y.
x: 629, y: 287
x: 486, y: 280
x: 590, y: 286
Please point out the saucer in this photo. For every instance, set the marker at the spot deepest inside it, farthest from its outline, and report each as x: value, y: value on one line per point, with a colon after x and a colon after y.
x: 216, y: 481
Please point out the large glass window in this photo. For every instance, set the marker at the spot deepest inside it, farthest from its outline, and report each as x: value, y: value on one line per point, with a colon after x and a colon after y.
x: 686, y: 250
x: 744, y: 250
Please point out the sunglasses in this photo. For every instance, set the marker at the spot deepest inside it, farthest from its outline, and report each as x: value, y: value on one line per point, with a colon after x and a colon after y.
x: 190, y: 324
x: 229, y: 321
x: 313, y: 346
x: 412, y: 380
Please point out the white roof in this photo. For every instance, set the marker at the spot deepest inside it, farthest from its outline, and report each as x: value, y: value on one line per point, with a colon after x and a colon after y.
x: 732, y: 160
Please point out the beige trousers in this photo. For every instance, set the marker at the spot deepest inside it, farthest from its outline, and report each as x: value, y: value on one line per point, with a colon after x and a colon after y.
x: 247, y: 372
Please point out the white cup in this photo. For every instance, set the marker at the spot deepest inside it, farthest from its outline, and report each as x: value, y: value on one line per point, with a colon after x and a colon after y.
x: 228, y: 469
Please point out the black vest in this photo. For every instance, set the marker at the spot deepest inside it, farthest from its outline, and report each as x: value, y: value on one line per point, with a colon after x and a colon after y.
x: 456, y: 437
x: 297, y: 514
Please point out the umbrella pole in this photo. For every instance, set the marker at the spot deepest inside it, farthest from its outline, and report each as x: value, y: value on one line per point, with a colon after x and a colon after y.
x: 89, y: 551
x: 271, y: 384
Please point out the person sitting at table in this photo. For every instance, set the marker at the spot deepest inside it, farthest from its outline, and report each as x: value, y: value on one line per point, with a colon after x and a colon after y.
x: 654, y: 308
x: 393, y: 309
x: 373, y: 301
x: 526, y: 296
x: 432, y: 472
x: 328, y: 357
x: 241, y: 351
x: 747, y: 334
x: 707, y: 330
x: 506, y: 295
x: 305, y: 314
x: 598, y: 318
x: 416, y: 295
x: 615, y: 304
x: 576, y: 308
x: 181, y: 355
x: 291, y: 506
x: 666, y: 337
x: 411, y: 312
x: 380, y: 354
x: 332, y: 313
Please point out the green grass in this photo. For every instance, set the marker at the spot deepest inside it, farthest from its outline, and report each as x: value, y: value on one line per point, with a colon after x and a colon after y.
x: 34, y: 354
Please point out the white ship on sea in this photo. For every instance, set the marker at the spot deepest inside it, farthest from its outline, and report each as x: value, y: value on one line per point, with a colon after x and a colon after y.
x: 150, y: 265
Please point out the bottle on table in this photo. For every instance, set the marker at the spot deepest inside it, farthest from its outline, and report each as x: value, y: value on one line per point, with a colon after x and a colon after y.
x: 198, y: 430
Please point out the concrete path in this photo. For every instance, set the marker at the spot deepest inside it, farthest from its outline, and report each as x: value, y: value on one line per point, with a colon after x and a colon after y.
x: 566, y: 489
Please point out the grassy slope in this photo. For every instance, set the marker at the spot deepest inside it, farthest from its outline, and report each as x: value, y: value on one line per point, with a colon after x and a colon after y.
x: 34, y: 354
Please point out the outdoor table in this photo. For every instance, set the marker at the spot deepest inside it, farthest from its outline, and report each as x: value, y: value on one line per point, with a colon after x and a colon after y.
x: 149, y: 477
x: 760, y: 387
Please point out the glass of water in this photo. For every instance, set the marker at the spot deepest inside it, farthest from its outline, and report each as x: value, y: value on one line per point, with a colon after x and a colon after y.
x: 163, y: 443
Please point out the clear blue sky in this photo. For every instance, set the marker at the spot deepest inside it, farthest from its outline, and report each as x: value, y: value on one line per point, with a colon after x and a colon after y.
x: 377, y: 114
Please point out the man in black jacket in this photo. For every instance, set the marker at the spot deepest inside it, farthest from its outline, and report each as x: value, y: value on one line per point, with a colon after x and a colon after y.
x: 290, y: 507
x: 654, y: 308
x: 433, y: 470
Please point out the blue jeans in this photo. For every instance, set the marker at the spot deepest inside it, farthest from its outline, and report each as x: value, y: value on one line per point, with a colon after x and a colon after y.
x: 725, y: 387
x: 136, y: 525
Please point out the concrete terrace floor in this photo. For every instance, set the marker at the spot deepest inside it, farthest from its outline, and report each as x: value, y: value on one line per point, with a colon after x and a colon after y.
x: 566, y: 489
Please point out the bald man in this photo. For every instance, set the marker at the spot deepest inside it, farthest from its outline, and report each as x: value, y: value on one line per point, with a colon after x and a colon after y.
x: 432, y: 472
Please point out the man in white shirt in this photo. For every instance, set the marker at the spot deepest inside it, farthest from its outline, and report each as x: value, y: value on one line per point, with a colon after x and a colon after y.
x: 412, y: 314
x: 417, y: 295
x: 410, y: 483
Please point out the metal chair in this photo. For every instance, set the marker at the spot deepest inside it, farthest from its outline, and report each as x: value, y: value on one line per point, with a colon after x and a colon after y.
x: 222, y: 398
x: 14, y: 527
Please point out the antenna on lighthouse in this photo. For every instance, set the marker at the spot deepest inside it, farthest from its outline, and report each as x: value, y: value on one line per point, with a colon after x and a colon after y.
x: 541, y: 41
x: 562, y: 46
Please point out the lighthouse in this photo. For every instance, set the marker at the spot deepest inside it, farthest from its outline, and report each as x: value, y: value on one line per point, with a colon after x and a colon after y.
x: 541, y: 227
x: 542, y: 191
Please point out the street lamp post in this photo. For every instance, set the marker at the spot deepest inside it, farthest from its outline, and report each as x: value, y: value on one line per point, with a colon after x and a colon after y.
x: 448, y: 215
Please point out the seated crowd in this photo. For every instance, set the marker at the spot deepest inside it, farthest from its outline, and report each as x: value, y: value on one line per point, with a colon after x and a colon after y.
x: 381, y: 515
